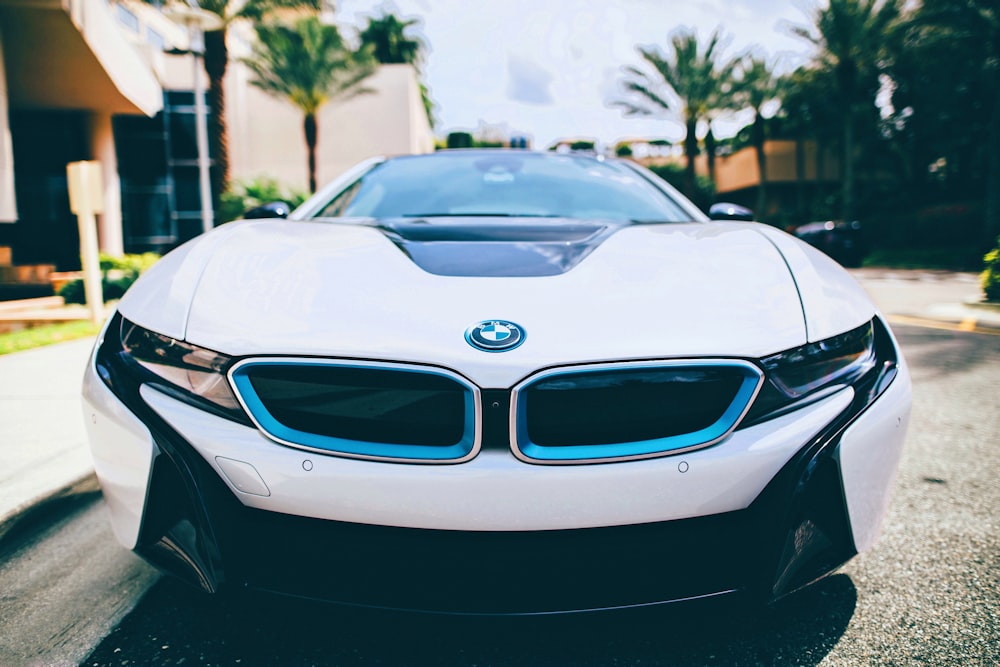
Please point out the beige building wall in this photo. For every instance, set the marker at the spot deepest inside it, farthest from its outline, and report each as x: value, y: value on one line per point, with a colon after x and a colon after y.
x: 739, y: 170
x: 266, y: 136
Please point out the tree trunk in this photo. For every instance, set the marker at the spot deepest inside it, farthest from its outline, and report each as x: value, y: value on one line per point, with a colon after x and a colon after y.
x: 311, y: 131
x: 992, y: 227
x: 819, y: 192
x: 847, y: 203
x: 216, y: 60
x: 758, y: 143
x: 690, y: 152
x: 800, y: 178
x: 710, y: 154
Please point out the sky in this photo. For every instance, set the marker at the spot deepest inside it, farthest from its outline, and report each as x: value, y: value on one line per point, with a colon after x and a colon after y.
x: 548, y: 68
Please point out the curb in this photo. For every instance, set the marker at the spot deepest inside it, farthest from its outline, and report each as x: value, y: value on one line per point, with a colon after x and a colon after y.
x: 987, y: 306
x: 82, y: 485
x: 970, y: 325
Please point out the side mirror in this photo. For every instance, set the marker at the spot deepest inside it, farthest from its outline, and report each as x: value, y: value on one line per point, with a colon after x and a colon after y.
x: 727, y: 211
x: 275, y: 209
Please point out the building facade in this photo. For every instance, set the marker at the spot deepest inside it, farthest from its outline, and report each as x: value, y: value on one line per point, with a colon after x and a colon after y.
x: 114, y: 83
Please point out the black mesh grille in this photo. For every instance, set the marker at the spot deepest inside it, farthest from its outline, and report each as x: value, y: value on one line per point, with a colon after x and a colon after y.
x: 366, y: 404
x: 621, y: 405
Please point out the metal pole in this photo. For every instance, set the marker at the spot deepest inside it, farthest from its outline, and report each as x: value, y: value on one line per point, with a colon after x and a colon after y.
x: 201, y: 130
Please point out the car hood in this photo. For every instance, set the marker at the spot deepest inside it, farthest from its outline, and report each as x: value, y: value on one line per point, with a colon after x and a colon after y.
x: 348, y: 291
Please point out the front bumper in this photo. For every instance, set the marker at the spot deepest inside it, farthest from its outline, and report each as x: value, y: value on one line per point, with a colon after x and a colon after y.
x: 772, y: 508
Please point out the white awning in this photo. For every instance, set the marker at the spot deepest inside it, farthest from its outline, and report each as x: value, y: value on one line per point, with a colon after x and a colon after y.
x: 73, y: 55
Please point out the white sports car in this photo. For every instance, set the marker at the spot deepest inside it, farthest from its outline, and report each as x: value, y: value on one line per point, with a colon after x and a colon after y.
x: 497, y: 382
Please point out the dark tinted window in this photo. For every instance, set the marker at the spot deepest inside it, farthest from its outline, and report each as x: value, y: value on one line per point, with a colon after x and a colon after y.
x: 504, y: 184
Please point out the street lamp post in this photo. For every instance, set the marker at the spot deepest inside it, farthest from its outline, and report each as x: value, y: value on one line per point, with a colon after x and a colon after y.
x: 198, y: 21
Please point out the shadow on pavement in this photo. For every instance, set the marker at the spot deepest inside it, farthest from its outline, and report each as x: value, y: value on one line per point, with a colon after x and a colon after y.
x: 934, y: 353
x: 174, y: 624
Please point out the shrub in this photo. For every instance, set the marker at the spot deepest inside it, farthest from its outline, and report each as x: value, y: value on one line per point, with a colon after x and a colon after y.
x: 673, y: 173
x: 117, y: 275
x: 459, y: 140
x: 991, y: 274
x: 241, y: 196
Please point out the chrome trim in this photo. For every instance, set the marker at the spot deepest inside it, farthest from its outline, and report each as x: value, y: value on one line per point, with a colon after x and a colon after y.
x: 655, y: 364
x: 354, y: 363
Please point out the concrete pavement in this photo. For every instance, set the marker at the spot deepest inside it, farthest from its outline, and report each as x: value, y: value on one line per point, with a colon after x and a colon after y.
x: 43, y: 446
x: 44, y: 453
x: 938, y: 299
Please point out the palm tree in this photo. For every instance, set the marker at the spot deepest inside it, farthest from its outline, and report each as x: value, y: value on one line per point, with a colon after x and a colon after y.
x: 854, y: 39
x: 687, y: 81
x: 217, y: 60
x: 755, y: 86
x: 309, y: 65
x: 386, y: 36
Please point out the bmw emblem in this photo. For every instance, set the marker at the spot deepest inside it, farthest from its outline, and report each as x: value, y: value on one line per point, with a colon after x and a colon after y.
x: 495, y: 335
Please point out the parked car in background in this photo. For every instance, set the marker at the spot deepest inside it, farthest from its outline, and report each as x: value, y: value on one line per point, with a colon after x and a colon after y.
x: 497, y: 382
x: 843, y: 241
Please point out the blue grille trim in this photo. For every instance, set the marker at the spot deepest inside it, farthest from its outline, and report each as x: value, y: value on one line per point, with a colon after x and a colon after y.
x: 531, y: 452
x: 464, y: 450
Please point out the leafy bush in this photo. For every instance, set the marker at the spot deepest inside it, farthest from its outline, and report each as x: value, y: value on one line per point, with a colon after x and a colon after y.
x: 245, y: 195
x: 991, y: 274
x: 673, y: 173
x: 459, y: 140
x: 117, y: 275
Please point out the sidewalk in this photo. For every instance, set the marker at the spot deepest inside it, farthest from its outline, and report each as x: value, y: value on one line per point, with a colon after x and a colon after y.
x: 43, y: 446
x: 44, y: 452
x: 938, y: 299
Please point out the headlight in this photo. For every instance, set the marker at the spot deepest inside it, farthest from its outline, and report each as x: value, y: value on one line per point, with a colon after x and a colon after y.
x: 132, y: 356
x: 803, y: 373
x: 190, y: 368
x: 837, y: 360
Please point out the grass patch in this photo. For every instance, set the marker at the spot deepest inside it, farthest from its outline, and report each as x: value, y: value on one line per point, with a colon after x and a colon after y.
x: 964, y: 258
x: 26, y: 339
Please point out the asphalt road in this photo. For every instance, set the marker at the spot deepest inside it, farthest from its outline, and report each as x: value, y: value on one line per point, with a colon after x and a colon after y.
x: 928, y: 593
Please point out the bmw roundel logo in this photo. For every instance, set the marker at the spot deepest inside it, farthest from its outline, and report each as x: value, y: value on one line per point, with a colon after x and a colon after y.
x: 495, y: 335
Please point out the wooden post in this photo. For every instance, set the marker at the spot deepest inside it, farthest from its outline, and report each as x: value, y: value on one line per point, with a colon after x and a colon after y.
x: 86, y: 198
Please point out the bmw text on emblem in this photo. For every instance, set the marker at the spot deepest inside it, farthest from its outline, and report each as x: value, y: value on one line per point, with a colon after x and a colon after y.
x: 495, y: 335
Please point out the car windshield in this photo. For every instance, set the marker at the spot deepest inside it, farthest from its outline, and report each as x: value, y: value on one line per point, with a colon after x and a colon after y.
x: 504, y: 184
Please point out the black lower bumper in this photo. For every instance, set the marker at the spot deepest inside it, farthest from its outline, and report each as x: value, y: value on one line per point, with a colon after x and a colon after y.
x: 795, y: 532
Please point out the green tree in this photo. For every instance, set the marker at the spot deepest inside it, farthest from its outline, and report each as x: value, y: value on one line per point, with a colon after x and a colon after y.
x: 309, y: 65
x: 688, y: 82
x: 216, y: 63
x: 755, y: 86
x: 387, y: 36
x: 946, y: 101
x: 855, y: 40
x: 806, y: 114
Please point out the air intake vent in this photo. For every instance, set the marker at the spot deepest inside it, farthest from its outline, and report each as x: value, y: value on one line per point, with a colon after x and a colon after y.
x: 368, y: 411
x: 630, y: 410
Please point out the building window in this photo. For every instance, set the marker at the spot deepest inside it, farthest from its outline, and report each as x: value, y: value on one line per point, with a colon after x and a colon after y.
x: 158, y: 166
x: 155, y: 39
x: 127, y: 18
